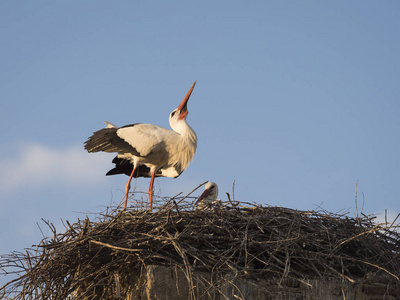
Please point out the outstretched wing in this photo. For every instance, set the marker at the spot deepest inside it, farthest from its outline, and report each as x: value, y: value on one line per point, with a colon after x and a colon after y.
x: 136, y: 139
x: 107, y: 140
x: 145, y: 138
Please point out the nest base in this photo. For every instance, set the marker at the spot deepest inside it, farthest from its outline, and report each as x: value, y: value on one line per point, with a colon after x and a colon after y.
x: 237, y: 250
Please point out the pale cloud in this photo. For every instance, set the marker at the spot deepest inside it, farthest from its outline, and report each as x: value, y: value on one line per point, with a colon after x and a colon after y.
x: 37, y: 164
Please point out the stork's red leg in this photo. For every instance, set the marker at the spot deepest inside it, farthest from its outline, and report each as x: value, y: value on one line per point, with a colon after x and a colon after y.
x: 151, y: 190
x: 128, y: 187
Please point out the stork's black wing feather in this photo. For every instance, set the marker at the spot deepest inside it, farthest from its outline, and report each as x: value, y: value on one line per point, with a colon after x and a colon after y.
x: 107, y: 140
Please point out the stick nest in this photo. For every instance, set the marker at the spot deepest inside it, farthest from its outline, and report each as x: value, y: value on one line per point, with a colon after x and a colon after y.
x: 102, y: 258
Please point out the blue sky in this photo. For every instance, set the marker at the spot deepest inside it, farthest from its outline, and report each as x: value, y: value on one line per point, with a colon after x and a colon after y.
x: 295, y: 101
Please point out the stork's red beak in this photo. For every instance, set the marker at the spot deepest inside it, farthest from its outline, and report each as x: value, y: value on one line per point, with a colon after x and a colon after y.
x: 183, y: 105
x: 205, y: 194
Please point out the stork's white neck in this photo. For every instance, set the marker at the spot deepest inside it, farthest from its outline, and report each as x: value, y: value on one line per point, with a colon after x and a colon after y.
x: 187, y: 143
x: 182, y: 127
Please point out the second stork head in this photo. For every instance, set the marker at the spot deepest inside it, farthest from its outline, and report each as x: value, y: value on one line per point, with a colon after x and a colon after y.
x: 210, y: 193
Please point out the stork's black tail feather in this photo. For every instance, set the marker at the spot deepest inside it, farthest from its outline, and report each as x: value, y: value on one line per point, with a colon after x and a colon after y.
x: 124, y: 166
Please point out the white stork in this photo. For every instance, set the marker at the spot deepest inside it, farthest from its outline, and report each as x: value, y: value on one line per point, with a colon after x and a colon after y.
x: 208, y: 197
x: 146, y: 150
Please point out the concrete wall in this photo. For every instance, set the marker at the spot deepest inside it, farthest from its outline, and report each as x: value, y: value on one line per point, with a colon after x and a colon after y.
x: 168, y: 283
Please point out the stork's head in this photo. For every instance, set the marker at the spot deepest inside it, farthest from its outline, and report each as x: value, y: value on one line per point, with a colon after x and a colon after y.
x: 210, y: 193
x: 181, y: 112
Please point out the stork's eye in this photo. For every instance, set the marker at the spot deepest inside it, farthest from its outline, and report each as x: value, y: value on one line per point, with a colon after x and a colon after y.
x: 173, y: 113
x: 212, y: 187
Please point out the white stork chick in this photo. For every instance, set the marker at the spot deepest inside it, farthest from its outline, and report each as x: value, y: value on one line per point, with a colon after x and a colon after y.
x: 209, y: 197
x: 146, y: 150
